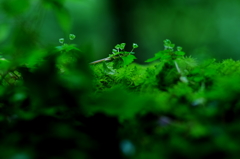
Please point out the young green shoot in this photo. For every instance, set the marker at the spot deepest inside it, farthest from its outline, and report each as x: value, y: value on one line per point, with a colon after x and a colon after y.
x: 119, y: 53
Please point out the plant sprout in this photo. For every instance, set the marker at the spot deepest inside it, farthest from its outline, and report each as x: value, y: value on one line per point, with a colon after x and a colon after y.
x: 72, y: 36
x: 61, y: 40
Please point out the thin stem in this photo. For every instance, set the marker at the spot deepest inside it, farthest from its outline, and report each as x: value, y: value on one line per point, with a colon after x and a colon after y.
x: 108, y: 58
x: 101, y: 60
x: 178, y: 69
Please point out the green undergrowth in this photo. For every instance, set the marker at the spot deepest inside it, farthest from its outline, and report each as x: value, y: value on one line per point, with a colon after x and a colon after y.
x: 170, y: 107
x: 192, y: 107
x: 169, y: 82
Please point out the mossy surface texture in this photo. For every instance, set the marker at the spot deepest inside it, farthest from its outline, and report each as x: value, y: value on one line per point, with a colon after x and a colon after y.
x: 55, y: 105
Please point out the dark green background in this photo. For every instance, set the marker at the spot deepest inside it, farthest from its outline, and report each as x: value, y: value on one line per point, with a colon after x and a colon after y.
x: 203, y: 28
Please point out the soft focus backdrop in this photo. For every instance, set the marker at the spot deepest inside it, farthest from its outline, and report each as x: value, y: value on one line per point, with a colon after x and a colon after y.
x: 203, y: 28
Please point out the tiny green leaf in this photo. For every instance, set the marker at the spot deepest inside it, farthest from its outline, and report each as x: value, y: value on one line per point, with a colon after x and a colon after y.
x: 128, y: 59
x: 117, y: 46
x: 72, y: 36
x: 61, y: 40
x: 122, y: 46
x: 179, y: 48
x: 135, y: 45
x: 156, y: 57
x: 180, y: 53
x: 167, y: 41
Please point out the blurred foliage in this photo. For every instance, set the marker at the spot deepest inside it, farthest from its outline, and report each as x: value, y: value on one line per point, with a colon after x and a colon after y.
x: 55, y: 105
x: 200, y: 26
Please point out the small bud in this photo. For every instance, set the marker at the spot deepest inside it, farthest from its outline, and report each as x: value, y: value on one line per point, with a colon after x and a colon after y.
x: 72, y: 36
x: 135, y: 45
x: 179, y: 48
x: 117, y: 46
x: 167, y: 41
x: 61, y: 40
x: 122, y: 46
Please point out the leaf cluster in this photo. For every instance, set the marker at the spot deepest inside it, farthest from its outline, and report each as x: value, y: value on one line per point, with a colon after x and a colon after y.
x: 124, y: 57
